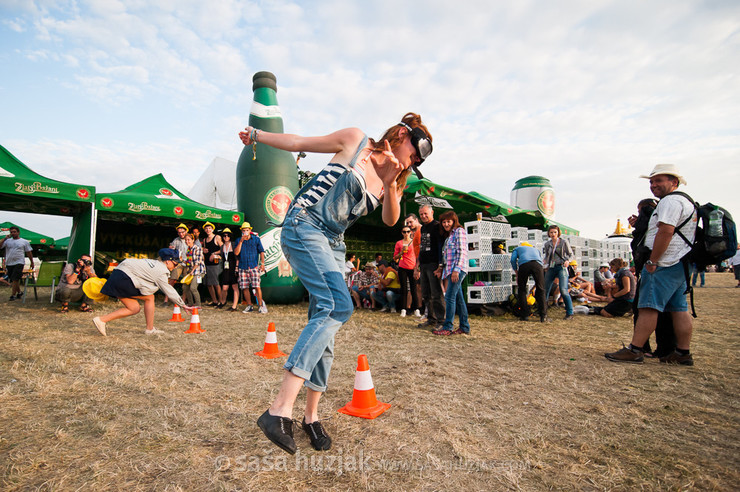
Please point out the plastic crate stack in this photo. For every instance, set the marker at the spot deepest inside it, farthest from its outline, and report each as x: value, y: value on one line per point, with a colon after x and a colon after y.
x: 493, y: 269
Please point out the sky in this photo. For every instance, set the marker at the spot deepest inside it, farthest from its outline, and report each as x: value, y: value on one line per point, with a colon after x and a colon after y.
x: 590, y: 94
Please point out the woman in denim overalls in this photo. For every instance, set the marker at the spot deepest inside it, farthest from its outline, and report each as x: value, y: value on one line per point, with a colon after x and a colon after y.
x: 362, y: 174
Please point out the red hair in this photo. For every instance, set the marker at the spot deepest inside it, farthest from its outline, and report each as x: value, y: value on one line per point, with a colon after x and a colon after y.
x: 394, y: 138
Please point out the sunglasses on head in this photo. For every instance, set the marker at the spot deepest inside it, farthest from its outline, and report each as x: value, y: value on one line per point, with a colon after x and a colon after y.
x: 420, y: 141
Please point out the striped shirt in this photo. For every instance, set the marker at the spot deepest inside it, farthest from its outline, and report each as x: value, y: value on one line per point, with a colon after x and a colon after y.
x: 328, y: 177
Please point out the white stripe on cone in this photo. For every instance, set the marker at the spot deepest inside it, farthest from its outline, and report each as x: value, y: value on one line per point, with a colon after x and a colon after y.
x: 195, y: 318
x: 363, y: 381
x: 271, y: 337
x: 176, y: 310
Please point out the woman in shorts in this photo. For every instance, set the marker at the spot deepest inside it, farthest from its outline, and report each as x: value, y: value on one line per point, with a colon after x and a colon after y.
x: 139, y: 279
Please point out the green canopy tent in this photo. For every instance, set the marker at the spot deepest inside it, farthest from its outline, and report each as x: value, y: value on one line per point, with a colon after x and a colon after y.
x: 32, y: 237
x: 62, y: 243
x: 370, y: 234
x: 23, y: 190
x: 141, y: 218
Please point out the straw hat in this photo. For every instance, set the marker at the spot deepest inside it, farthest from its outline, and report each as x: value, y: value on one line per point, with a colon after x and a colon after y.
x: 525, y: 243
x: 92, y: 286
x: 669, y: 169
x: 183, y: 226
x: 246, y: 225
x: 208, y: 224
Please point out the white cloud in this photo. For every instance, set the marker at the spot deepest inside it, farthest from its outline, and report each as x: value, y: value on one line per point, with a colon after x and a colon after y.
x: 588, y: 94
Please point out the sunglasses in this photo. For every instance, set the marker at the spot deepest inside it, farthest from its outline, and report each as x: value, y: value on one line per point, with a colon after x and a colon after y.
x: 406, y: 232
x: 420, y: 141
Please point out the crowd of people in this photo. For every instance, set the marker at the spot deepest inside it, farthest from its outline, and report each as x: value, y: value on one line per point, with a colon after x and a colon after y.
x: 423, y: 279
x: 424, y: 276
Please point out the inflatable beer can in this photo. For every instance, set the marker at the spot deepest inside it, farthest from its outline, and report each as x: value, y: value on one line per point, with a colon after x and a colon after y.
x: 534, y: 193
x: 266, y: 182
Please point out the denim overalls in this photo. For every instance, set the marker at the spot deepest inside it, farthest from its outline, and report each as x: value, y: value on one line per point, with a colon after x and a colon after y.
x: 312, y: 240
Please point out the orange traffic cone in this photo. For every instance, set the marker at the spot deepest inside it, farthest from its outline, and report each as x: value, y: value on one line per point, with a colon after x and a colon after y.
x: 176, y: 316
x: 364, y: 404
x: 270, y: 351
x: 195, y: 323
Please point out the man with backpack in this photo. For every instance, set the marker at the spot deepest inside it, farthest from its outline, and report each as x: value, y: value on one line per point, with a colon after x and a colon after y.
x: 663, y: 281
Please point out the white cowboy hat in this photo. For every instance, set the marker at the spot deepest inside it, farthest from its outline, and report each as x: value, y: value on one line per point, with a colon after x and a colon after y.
x: 669, y: 169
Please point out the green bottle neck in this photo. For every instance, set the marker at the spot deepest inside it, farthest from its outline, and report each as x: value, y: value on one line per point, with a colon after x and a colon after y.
x: 265, y: 96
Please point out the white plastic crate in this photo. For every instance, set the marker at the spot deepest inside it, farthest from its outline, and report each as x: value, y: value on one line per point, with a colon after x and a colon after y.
x: 480, y: 294
x: 487, y: 294
x: 488, y: 229
x: 519, y: 233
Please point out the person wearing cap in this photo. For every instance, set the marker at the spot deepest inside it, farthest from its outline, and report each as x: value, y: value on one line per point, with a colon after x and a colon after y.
x: 602, y: 278
x: 251, y: 263
x: 526, y: 261
x: 16, y: 249
x: 181, y: 246
x: 362, y: 174
x: 70, y: 283
x: 212, y: 244
x: 139, y: 279
x: 229, y: 275
x: 662, y: 279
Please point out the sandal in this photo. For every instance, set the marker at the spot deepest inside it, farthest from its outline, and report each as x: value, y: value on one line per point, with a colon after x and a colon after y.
x: 65, y: 307
x: 85, y: 308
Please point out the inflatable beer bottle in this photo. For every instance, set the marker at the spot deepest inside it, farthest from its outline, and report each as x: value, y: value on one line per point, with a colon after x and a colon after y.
x: 266, y: 181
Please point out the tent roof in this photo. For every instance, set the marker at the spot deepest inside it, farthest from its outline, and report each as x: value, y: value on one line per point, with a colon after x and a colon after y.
x: 32, y: 237
x: 216, y: 187
x: 425, y: 191
x: 23, y: 190
x: 155, y: 198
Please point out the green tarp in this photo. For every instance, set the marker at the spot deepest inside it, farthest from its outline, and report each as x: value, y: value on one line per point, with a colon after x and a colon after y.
x: 23, y: 190
x: 155, y: 201
x: 466, y: 205
x: 32, y: 237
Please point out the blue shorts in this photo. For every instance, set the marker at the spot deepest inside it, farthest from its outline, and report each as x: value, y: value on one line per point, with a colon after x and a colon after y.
x: 663, y: 290
x: 119, y: 285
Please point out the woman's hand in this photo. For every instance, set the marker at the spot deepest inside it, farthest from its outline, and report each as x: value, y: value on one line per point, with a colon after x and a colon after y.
x: 455, y: 277
x: 245, y: 136
x: 386, y: 166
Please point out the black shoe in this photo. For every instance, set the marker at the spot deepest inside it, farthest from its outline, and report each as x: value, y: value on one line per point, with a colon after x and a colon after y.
x: 13, y: 298
x: 544, y: 319
x: 320, y: 440
x: 676, y: 358
x: 279, y: 430
x: 220, y: 305
x: 427, y: 324
x: 569, y: 316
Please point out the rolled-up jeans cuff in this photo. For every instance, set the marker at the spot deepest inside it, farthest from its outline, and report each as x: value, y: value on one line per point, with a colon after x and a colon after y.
x: 306, y: 376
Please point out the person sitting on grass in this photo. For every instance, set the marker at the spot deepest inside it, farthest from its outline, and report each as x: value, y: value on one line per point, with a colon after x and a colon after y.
x: 139, y: 279
x: 620, y: 296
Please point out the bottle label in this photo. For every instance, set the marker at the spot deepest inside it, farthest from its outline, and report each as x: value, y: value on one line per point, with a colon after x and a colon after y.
x: 262, y: 111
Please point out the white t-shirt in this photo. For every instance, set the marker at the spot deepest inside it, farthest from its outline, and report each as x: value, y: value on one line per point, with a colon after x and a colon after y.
x: 672, y: 210
x: 735, y: 260
x: 15, y: 251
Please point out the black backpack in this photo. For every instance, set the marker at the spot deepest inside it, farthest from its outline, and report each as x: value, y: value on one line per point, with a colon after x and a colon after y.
x: 707, y: 249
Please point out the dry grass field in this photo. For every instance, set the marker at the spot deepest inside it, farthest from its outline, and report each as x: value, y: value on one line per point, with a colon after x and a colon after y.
x: 514, y: 406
